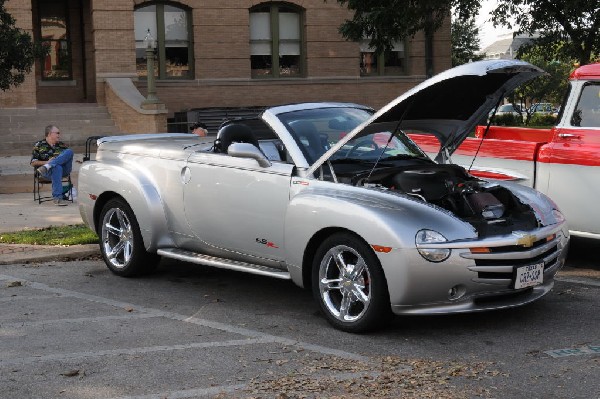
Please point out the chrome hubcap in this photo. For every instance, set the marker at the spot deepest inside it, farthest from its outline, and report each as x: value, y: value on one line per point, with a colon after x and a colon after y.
x: 344, y: 283
x: 117, y: 238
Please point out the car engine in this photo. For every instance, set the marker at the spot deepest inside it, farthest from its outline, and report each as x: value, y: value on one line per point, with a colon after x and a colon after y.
x: 489, y: 207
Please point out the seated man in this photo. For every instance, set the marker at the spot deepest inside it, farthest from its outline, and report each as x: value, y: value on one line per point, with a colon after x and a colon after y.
x: 53, y: 160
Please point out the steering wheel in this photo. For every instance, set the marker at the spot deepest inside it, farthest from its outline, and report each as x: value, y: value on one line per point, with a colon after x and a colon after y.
x: 362, y: 143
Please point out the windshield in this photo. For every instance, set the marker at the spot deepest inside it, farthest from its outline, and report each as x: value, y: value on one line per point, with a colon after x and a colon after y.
x: 317, y: 130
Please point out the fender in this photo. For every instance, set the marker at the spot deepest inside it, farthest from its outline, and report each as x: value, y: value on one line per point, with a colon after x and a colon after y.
x: 136, y: 187
x: 382, y: 221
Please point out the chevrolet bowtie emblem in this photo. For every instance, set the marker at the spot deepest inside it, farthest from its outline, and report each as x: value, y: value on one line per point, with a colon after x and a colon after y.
x: 526, y: 240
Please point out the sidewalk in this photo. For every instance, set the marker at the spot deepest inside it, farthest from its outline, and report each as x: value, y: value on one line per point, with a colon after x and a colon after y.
x: 20, y: 212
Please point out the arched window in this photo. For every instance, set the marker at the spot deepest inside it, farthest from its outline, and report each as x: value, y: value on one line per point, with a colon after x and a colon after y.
x: 170, y: 26
x: 276, y: 48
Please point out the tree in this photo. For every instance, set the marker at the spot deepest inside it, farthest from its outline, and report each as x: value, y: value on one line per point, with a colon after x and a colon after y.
x: 575, y: 23
x: 387, y: 21
x: 553, y: 84
x: 465, y: 41
x: 17, y: 51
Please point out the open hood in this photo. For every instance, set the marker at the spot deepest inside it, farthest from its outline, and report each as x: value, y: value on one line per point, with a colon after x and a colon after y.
x: 449, y: 105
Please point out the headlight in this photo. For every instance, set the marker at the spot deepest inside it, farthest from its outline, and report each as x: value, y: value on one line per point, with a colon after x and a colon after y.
x: 425, y: 237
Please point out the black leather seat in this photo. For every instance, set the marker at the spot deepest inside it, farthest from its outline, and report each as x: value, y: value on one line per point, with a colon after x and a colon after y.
x: 312, y: 141
x: 234, y: 133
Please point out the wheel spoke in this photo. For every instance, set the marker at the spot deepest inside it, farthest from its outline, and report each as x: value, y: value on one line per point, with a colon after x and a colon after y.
x: 355, y: 273
x: 331, y: 284
x: 345, y: 305
x: 116, y: 250
x: 112, y: 229
x: 359, y: 293
x: 122, y: 221
x: 127, y: 251
x: 339, y: 261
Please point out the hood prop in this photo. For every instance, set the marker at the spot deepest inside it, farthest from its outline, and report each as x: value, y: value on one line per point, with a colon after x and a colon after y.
x: 487, y: 128
x: 396, y: 129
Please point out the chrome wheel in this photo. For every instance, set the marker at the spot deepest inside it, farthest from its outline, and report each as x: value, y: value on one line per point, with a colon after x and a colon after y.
x: 121, y: 242
x: 349, y: 284
x: 344, y: 283
x: 117, y: 238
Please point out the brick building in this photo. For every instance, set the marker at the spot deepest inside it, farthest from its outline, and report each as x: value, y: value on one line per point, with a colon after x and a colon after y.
x: 209, y: 53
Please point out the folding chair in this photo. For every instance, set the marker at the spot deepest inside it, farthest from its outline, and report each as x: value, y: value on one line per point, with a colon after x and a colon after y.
x: 39, y: 181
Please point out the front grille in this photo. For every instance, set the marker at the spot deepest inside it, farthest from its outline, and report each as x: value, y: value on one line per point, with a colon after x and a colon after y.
x: 497, y: 267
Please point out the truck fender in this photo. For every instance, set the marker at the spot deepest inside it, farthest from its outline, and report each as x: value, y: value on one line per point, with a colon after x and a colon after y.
x: 136, y: 188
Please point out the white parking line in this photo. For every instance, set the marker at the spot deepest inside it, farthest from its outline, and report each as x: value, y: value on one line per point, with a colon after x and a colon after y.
x: 96, y: 319
x: 259, y: 336
x: 132, y: 351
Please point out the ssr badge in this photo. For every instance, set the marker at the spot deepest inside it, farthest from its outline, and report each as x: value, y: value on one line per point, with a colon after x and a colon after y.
x: 264, y: 241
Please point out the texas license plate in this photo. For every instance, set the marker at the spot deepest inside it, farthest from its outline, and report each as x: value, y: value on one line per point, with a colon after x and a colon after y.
x: 530, y: 275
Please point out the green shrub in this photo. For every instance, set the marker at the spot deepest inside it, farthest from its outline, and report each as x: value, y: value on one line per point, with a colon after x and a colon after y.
x: 542, y: 120
x: 507, y: 120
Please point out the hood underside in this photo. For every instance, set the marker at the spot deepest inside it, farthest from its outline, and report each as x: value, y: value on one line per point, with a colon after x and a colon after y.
x: 450, y: 104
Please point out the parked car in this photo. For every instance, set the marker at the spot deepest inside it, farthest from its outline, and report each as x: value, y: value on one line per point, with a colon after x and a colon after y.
x: 338, y: 199
x: 543, y: 108
x: 514, y: 110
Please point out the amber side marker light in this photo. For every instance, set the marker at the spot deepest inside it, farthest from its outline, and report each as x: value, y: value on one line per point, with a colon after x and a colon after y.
x: 480, y: 250
x: 550, y: 238
x: 380, y: 248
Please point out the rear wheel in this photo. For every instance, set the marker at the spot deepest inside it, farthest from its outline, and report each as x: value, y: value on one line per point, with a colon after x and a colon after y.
x: 349, y: 284
x: 121, y: 242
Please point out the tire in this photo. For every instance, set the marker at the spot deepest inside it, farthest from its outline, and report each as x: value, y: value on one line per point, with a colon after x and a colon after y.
x: 349, y: 284
x: 121, y: 242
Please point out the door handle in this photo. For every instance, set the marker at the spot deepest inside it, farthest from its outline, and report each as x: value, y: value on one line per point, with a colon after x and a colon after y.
x: 569, y: 136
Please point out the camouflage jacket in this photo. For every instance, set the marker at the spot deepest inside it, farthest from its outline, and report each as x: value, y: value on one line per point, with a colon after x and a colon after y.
x: 42, y: 151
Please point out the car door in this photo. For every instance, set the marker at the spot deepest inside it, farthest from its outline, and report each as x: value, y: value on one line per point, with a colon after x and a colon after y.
x: 569, y: 168
x: 235, y: 205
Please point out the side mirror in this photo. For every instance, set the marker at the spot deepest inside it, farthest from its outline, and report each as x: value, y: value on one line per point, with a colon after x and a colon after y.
x: 247, y: 150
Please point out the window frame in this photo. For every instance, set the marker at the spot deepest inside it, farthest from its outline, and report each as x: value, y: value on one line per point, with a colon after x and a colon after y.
x: 273, y: 9
x: 67, y: 39
x: 160, y: 39
x: 380, y: 61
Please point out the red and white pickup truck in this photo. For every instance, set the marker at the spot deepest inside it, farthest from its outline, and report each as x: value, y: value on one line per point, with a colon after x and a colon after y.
x: 562, y: 162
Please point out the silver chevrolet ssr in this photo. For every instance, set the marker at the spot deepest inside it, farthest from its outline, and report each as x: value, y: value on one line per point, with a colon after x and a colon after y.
x: 338, y: 199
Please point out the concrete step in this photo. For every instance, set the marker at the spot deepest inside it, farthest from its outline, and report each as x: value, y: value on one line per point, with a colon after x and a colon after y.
x: 20, y: 128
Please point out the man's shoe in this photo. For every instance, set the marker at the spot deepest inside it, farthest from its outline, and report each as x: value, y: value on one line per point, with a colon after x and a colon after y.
x: 60, y: 202
x: 42, y: 170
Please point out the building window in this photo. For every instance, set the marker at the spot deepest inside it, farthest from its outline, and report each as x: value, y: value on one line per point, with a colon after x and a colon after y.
x: 276, y: 41
x: 54, y: 35
x: 389, y: 63
x: 169, y: 26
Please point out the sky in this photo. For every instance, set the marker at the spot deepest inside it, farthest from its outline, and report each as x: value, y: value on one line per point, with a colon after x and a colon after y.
x: 487, y: 33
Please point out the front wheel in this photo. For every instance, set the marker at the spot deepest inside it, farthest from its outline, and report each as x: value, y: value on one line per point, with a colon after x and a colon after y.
x: 121, y: 242
x: 349, y: 284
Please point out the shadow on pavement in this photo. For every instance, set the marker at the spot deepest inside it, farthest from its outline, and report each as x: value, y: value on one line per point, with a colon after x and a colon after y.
x: 584, y: 253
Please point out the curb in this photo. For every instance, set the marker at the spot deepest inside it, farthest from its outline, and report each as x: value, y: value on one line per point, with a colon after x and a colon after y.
x: 18, y: 253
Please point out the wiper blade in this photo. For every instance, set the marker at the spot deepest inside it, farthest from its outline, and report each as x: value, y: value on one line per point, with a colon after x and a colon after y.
x: 351, y: 160
x: 405, y: 156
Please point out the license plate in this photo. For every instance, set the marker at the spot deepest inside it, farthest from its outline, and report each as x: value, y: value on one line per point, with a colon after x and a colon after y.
x: 530, y: 275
